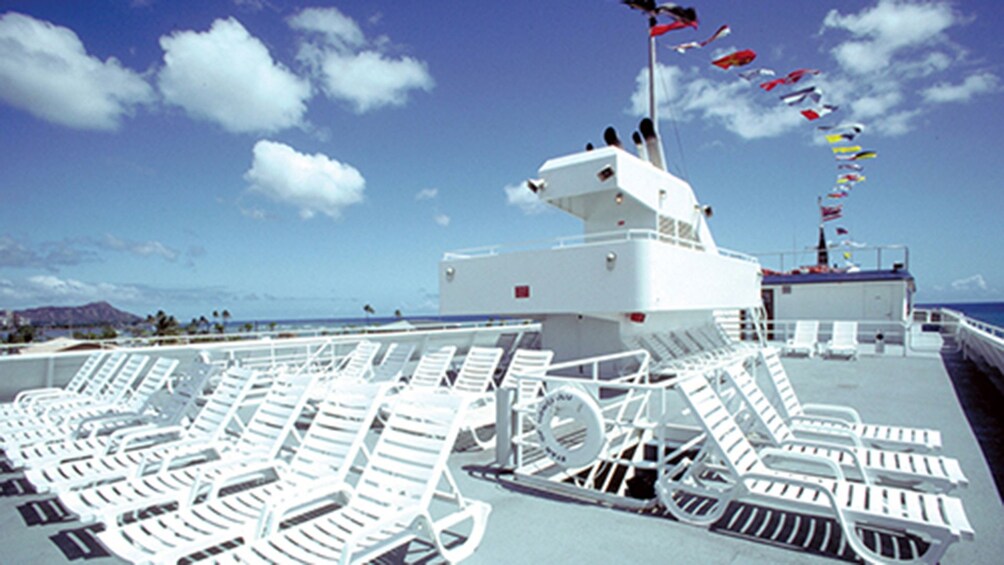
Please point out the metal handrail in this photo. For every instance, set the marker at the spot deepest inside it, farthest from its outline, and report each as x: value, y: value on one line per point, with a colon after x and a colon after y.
x: 584, y: 240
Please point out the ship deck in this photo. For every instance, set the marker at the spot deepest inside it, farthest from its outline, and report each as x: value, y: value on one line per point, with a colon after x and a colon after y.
x: 533, y: 527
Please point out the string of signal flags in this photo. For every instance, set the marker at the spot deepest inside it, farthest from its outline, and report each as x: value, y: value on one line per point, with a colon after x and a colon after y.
x: 667, y: 17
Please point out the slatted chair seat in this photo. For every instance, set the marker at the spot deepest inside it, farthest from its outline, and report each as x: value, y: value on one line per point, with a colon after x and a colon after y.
x: 61, y: 420
x: 898, y: 468
x: 830, y: 418
x: 96, y: 436
x: 36, y: 406
x: 261, y: 440
x: 937, y: 519
x: 392, y: 502
x: 150, y: 446
x: 73, y: 387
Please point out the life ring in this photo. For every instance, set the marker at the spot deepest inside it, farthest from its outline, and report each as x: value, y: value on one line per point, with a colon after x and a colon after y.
x: 571, y: 403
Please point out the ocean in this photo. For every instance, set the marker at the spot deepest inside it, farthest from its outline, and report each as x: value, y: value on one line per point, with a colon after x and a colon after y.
x: 989, y: 312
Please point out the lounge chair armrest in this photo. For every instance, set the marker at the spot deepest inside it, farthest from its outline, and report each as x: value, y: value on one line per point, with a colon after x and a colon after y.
x: 186, y: 449
x: 827, y: 437
x: 105, y: 422
x: 819, y: 421
x: 473, y: 510
x: 406, y: 516
x: 845, y: 413
x: 311, y: 494
x: 232, y: 477
x: 859, y: 468
x: 128, y: 438
x: 771, y: 452
x: 36, y: 394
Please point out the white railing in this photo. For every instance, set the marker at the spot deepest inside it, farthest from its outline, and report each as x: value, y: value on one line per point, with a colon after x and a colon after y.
x: 979, y: 341
x: 878, y: 257
x: 585, y: 240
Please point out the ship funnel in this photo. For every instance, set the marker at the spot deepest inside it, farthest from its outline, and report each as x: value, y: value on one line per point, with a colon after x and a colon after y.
x: 639, y: 146
x: 652, y: 143
x: 610, y: 137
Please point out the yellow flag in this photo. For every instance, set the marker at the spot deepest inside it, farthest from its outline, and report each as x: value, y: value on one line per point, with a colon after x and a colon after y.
x: 847, y: 149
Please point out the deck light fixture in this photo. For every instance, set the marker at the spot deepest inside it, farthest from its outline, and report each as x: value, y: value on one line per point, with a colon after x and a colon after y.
x: 619, y: 198
x: 605, y: 174
x: 535, y: 185
x: 449, y: 273
x: 611, y: 260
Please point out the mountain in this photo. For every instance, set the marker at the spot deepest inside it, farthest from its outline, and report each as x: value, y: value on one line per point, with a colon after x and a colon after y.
x: 94, y: 314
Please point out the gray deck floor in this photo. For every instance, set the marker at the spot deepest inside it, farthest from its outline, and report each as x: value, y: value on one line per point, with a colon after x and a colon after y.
x: 527, y: 527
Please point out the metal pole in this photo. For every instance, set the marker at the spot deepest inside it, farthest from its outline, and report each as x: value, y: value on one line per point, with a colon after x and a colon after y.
x: 651, y: 82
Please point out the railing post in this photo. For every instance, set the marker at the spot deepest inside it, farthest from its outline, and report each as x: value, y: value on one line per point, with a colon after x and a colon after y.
x: 504, y: 425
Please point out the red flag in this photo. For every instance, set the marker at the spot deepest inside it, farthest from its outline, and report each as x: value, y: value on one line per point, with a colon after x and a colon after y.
x: 657, y: 30
x: 841, y: 231
x: 737, y: 59
x: 831, y: 212
x: 790, y: 78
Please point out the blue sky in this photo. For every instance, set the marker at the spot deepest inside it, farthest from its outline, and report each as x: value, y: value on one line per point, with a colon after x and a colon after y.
x: 300, y: 160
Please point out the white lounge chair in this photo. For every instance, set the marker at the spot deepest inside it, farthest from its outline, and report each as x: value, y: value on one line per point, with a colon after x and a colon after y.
x: 475, y: 383
x: 128, y: 451
x: 356, y: 366
x: 260, y: 441
x: 728, y: 469
x: 95, y: 436
x: 130, y: 404
x: 431, y: 370
x: 322, y: 463
x: 43, y: 401
x: 829, y: 416
x: 844, y: 341
x: 392, y: 503
x: 74, y: 386
x: 805, y: 340
x: 912, y: 470
x: 21, y: 431
x: 394, y: 360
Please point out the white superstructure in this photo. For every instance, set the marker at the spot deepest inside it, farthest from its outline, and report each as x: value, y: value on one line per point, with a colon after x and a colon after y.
x: 645, y: 261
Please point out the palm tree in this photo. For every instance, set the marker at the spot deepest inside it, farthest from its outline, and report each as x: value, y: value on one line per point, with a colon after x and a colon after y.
x: 369, y: 311
x: 397, y: 314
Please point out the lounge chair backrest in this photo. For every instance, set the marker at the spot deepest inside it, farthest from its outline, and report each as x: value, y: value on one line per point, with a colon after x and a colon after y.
x: 790, y: 405
x: 432, y: 368
x: 120, y: 386
x: 266, y: 431
x: 806, y: 331
x: 79, y: 380
x: 172, y: 408
x: 655, y: 347
x: 673, y: 346
x: 393, y: 362
x: 528, y: 363
x: 408, y: 460
x: 107, y: 371
x: 762, y: 410
x: 359, y: 364
x: 155, y: 378
x: 845, y: 333
x: 477, y: 372
x: 221, y: 406
x: 338, y: 431
x: 736, y: 451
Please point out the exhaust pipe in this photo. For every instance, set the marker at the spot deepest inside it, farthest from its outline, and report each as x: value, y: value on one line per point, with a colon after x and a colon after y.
x: 610, y: 137
x: 652, y: 144
x: 639, y: 146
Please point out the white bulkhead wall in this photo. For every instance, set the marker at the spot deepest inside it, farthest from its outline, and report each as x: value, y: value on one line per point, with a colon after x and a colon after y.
x: 611, y: 190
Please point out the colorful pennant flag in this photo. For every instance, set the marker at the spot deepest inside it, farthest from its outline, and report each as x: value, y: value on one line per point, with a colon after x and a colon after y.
x: 790, y: 78
x: 813, y: 114
x: 799, y: 96
x: 846, y: 149
x: 831, y: 212
x: 737, y: 59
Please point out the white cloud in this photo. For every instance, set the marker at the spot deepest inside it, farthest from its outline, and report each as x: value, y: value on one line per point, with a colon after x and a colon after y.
x: 442, y: 219
x: 227, y: 76
x: 314, y: 183
x: 521, y: 196
x: 50, y: 289
x: 969, y: 284
x: 684, y: 96
x: 981, y: 83
x: 886, y: 31
x: 46, y: 71
x: 139, y: 248
x: 352, y: 69
x: 427, y: 194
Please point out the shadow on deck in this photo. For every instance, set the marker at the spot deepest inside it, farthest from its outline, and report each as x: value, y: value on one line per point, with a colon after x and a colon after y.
x: 981, y: 400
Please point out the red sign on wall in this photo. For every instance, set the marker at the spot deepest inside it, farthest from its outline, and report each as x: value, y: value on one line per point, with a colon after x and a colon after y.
x: 523, y: 291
